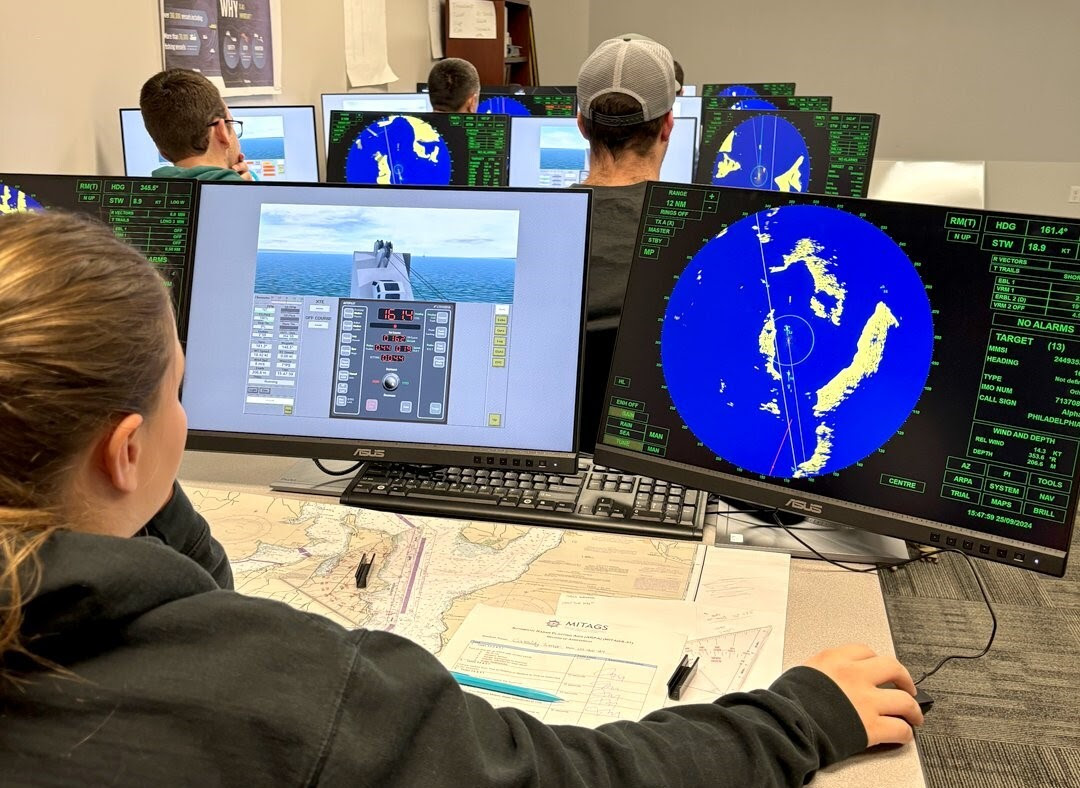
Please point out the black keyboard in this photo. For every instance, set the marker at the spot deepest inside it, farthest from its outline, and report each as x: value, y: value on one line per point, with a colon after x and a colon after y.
x: 595, y: 498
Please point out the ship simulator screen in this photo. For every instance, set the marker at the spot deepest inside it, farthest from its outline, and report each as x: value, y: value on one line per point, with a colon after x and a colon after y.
x: 907, y: 369
x: 423, y: 316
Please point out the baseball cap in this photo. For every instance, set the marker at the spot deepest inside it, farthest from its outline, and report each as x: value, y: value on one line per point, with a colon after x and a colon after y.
x: 636, y: 67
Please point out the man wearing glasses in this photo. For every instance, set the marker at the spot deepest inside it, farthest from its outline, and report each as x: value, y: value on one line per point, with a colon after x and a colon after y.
x: 191, y: 126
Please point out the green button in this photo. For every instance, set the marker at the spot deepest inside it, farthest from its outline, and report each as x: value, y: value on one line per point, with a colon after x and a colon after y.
x: 995, y: 487
x: 1044, y: 512
x: 1008, y: 475
x: 1047, y: 498
x: 966, y: 466
x: 657, y: 435
x: 623, y: 413
x: 1004, y: 504
x: 621, y: 382
x: 623, y: 443
x: 963, y: 480
x: 1050, y: 483
x: 904, y: 484
x: 958, y: 494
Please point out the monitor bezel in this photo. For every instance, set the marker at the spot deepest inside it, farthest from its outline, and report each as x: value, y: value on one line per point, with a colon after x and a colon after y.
x: 777, y: 496
x: 319, y: 160
x: 400, y: 451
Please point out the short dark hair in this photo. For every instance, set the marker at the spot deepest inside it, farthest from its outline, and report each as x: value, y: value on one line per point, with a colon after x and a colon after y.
x: 678, y: 73
x: 638, y: 138
x: 177, y: 106
x: 451, y: 82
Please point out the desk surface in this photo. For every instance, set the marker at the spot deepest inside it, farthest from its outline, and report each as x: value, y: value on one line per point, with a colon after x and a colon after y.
x: 826, y: 607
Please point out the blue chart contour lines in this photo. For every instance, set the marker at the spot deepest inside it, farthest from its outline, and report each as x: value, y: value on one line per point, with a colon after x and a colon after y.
x: 763, y: 152
x: 502, y: 105
x: 797, y: 342
x: 399, y: 149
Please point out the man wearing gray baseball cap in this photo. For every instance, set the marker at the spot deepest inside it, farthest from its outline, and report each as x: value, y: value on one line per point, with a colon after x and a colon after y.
x: 625, y: 90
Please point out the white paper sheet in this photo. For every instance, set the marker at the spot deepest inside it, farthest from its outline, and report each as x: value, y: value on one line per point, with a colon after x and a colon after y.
x: 366, y: 48
x: 739, y: 648
x: 600, y: 670
x: 435, y: 16
x: 472, y: 19
x: 734, y: 577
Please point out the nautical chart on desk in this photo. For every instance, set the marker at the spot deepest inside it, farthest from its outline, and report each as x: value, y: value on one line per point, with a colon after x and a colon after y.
x: 428, y: 572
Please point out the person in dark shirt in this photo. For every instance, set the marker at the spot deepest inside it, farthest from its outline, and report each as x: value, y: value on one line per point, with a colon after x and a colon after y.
x: 127, y: 661
x: 192, y: 127
x: 454, y: 86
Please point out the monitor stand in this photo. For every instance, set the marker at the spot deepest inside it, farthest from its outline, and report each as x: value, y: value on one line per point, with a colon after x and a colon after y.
x: 836, y: 542
x: 305, y: 478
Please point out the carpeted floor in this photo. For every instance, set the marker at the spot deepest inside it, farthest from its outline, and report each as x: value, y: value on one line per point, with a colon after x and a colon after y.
x: 1011, y: 718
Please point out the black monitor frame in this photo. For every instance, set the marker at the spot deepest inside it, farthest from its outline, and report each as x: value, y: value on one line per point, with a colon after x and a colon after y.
x: 398, y: 451
x: 636, y: 386
x: 763, y: 89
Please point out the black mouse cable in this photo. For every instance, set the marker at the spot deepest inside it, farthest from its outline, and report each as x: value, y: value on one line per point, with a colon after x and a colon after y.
x: 923, y: 556
x: 328, y: 472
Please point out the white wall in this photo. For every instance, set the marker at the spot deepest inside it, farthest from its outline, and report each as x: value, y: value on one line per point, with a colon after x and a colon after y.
x: 70, y: 64
x: 562, y: 38
x: 990, y: 80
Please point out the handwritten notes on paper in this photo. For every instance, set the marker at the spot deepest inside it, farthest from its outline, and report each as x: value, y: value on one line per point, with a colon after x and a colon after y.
x: 472, y: 19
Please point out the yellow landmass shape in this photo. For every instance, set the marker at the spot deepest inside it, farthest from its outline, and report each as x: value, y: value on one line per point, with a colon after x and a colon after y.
x: 726, y: 166
x: 822, y: 452
x: 6, y: 201
x: 728, y: 145
x: 423, y: 132
x: 868, y: 354
x: 382, y: 161
x: 806, y: 252
x: 767, y: 345
x: 790, y: 181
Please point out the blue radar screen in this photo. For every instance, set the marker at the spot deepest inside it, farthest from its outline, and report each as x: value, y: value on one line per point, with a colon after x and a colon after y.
x: 399, y: 149
x: 13, y: 200
x: 753, y: 103
x: 763, y: 152
x: 738, y: 90
x: 502, y: 105
x: 797, y: 341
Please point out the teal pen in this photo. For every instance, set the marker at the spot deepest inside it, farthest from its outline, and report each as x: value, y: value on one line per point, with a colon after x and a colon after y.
x: 465, y: 680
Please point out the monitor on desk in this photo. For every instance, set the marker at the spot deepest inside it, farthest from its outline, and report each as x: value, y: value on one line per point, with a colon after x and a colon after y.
x: 748, y: 89
x: 689, y: 90
x: 903, y: 369
x: 155, y: 215
x: 551, y: 153
x: 438, y: 325
x: 538, y: 102
x: 784, y: 103
x: 371, y: 102
x: 278, y: 143
x: 418, y: 149
x: 815, y: 152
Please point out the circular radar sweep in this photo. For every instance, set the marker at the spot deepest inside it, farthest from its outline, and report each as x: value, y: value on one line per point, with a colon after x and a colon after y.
x: 399, y: 149
x: 502, y: 105
x: 738, y: 90
x: 763, y: 152
x: 797, y: 341
x: 753, y: 103
x: 14, y: 201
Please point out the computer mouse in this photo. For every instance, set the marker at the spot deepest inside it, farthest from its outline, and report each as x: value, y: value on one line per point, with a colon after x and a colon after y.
x: 922, y: 697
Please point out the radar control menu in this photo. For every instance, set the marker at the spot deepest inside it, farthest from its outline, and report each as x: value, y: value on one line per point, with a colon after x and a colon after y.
x: 786, y: 103
x: 813, y: 152
x: 536, y: 104
x: 418, y: 149
x: 915, y: 360
x: 748, y: 89
x: 155, y: 215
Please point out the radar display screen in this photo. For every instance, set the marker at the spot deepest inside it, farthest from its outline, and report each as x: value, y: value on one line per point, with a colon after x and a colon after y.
x: 783, y: 103
x: 552, y: 104
x: 815, y: 152
x: 912, y: 370
x: 418, y: 149
x: 748, y: 89
x: 155, y: 215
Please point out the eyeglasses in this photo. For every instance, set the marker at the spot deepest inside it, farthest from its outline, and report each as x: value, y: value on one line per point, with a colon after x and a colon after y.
x: 239, y: 125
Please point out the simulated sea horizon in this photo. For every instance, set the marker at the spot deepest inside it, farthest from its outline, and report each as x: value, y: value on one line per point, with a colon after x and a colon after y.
x: 475, y: 279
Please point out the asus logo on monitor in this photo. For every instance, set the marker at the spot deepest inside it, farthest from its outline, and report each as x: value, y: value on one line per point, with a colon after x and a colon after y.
x: 803, y: 506
x: 369, y: 453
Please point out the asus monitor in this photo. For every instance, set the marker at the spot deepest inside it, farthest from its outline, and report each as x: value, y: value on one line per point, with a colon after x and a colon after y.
x: 815, y: 152
x: 905, y: 369
x: 155, y: 215
x: 278, y: 143
x: 427, y: 325
x: 417, y: 149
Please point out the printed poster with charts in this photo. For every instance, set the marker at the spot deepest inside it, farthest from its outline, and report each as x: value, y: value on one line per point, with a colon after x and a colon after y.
x: 233, y: 43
